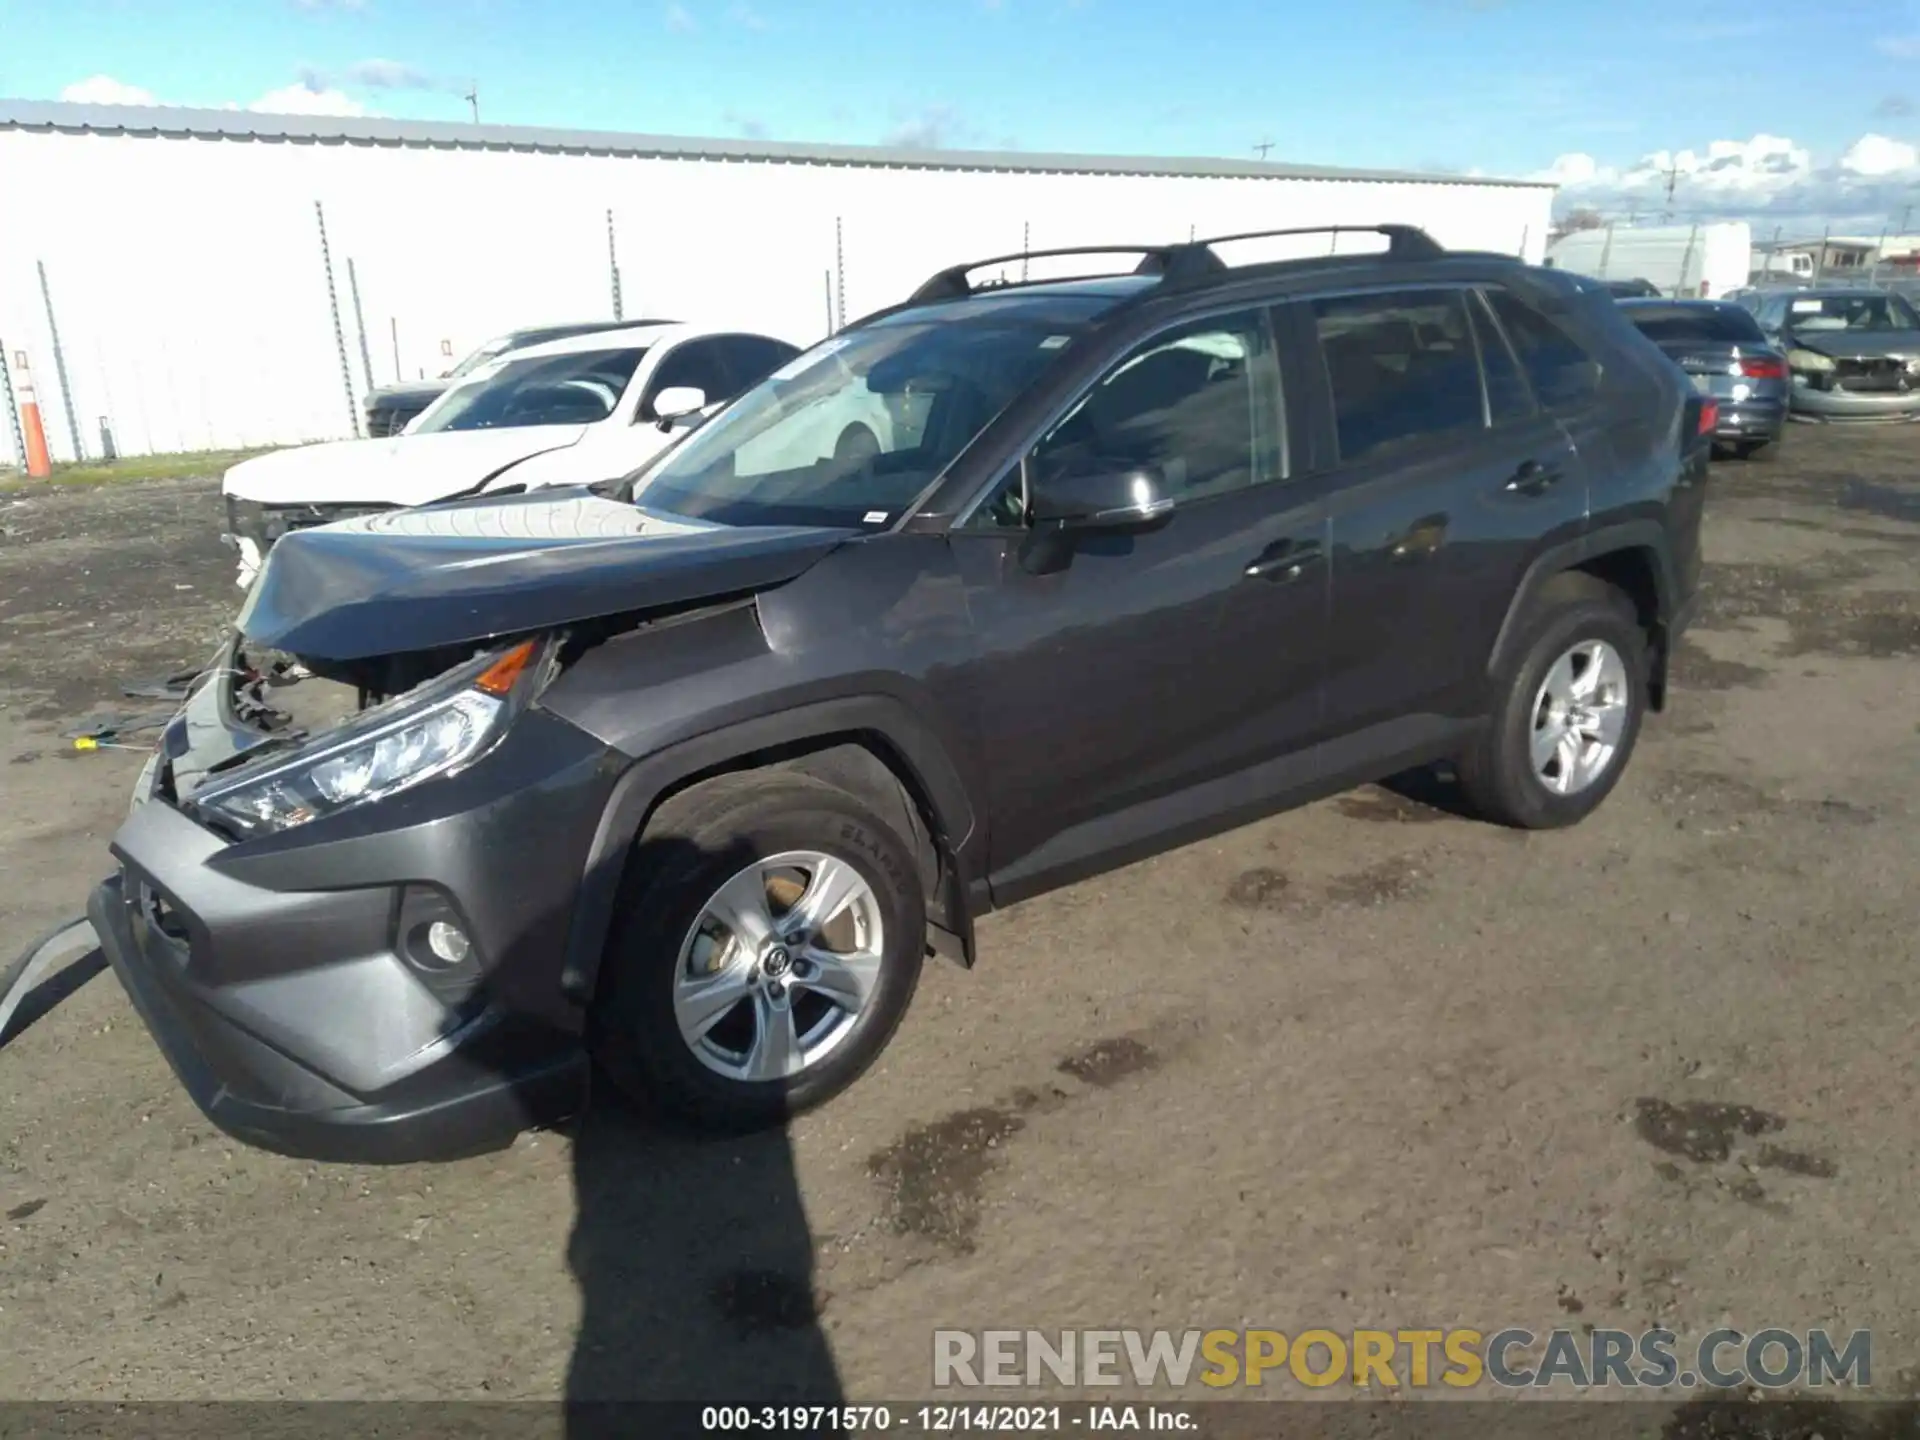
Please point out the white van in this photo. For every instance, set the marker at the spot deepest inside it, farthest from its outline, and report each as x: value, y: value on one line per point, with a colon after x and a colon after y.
x: 1684, y: 261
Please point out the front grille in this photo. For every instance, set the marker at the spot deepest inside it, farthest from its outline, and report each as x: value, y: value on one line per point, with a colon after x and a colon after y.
x: 1880, y: 375
x: 264, y: 524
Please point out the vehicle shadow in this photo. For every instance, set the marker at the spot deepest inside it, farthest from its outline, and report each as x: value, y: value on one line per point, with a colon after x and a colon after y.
x: 692, y: 1253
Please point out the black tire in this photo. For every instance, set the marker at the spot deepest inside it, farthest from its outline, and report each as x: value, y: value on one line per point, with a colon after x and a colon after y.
x: 1760, y: 450
x: 695, y: 843
x: 1497, y: 776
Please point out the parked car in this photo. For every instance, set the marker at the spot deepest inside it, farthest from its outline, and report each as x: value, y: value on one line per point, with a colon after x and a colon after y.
x: 694, y: 784
x: 1725, y: 355
x: 390, y: 407
x: 592, y: 407
x: 1854, y: 354
x: 1630, y: 289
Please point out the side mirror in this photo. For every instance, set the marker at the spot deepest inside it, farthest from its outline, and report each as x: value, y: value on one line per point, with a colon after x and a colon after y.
x: 676, y: 401
x: 1105, y: 500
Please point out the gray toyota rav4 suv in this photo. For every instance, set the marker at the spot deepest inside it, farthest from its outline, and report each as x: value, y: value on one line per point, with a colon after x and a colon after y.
x: 681, y: 779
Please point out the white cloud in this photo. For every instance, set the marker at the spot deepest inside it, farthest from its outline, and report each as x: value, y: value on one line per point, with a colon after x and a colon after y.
x: 1877, y: 155
x: 305, y: 100
x: 931, y: 128
x: 1766, y: 177
x: 105, y: 90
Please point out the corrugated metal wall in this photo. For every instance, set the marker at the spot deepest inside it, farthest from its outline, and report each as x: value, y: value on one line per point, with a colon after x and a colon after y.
x: 187, y: 281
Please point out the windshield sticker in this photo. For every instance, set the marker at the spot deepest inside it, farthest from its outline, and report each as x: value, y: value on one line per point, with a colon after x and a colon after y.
x: 1053, y: 342
x: 874, y: 517
x: 1807, y: 307
x: 806, y: 359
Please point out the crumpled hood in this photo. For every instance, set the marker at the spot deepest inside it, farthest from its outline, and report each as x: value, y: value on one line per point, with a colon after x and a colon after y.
x: 449, y: 574
x: 399, y: 470
x: 1859, y: 344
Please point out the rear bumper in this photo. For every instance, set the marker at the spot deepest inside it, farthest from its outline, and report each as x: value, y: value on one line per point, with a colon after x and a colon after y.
x: 1750, y: 420
x: 262, y: 1097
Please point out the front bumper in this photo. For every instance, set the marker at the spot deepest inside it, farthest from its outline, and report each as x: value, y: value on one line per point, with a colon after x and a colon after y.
x: 1846, y: 405
x: 273, y: 975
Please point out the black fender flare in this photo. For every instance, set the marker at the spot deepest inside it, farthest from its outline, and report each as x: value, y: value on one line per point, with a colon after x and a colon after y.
x: 1647, y: 535
x: 643, y: 783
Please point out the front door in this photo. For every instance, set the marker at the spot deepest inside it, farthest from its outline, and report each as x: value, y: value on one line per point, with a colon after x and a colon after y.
x: 1158, y: 660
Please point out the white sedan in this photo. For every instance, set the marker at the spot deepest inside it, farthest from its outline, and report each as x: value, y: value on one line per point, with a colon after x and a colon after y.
x: 568, y: 412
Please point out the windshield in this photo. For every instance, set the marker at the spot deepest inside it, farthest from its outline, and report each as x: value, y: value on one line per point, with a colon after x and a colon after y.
x: 580, y: 389
x: 1816, y: 314
x: 852, y: 431
x: 489, y: 351
x: 1724, y: 323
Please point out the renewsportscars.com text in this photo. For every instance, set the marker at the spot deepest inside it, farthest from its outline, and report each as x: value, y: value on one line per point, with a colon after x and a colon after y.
x: 1396, y: 1359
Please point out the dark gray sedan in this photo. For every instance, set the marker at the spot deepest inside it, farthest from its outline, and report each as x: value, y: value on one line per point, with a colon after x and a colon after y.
x: 1723, y: 351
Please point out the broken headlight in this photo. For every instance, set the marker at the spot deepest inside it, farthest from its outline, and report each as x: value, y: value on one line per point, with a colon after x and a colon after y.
x: 437, y: 729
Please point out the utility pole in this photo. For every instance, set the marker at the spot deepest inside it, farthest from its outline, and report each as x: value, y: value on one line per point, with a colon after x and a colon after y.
x: 472, y: 97
x: 1263, y: 147
x: 1673, y: 177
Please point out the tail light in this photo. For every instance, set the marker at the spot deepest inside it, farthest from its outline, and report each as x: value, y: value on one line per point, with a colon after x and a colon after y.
x: 1768, y: 369
x: 1709, y: 417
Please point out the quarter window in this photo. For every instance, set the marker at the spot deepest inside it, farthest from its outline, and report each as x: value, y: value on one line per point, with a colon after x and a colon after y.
x: 1563, y: 374
x: 1401, y: 368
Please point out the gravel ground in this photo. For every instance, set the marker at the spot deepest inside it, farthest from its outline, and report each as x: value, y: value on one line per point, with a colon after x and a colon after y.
x: 1363, y: 1064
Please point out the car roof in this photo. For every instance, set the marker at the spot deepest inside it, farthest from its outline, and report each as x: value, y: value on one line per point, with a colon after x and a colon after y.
x: 1662, y: 302
x: 641, y: 334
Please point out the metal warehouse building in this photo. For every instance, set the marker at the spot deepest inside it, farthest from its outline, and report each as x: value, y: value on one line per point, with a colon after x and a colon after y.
x: 178, y: 254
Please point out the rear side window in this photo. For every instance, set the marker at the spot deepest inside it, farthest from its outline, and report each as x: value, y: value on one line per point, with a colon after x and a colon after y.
x: 1727, y: 324
x: 1507, y: 395
x: 1562, y: 373
x: 1401, y: 367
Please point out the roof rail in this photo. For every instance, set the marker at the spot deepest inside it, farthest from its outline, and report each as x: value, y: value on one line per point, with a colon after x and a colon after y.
x: 951, y: 283
x: 1184, y: 262
x: 1404, y: 242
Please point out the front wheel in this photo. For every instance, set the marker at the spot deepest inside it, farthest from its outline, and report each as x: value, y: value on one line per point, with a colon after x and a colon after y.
x: 770, y: 939
x: 1566, y: 713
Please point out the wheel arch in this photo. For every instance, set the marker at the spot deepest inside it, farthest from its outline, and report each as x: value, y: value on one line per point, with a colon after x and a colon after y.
x: 1631, y: 558
x: 871, y: 746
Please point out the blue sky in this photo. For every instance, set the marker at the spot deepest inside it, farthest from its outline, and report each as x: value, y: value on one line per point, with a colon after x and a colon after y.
x: 1500, y: 86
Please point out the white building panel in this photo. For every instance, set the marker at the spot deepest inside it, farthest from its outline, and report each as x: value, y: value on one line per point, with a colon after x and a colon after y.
x: 182, y: 248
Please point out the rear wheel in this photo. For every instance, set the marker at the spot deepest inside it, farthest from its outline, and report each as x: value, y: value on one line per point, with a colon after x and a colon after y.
x: 1567, y: 711
x: 770, y: 938
x: 1757, y: 449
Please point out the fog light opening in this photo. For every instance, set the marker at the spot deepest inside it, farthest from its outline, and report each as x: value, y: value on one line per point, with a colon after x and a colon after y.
x: 433, y: 938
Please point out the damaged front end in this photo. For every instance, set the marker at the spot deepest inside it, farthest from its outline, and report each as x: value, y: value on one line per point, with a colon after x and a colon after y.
x: 1875, y: 385
x: 270, y: 741
x: 253, y: 527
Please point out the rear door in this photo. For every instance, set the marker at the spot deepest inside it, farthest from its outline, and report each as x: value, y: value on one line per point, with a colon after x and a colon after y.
x: 1448, y: 478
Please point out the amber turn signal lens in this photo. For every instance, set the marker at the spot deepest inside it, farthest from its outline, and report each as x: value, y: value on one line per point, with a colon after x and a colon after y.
x: 500, y: 677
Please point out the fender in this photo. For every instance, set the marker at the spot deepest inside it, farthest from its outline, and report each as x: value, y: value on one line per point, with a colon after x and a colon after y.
x: 1628, y: 535
x: 643, y: 783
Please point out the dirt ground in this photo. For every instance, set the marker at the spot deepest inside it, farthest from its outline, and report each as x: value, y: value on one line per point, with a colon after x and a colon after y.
x: 1365, y: 1064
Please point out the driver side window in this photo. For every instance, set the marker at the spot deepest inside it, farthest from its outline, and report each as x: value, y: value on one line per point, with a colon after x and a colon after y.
x: 1199, y: 404
x: 696, y: 363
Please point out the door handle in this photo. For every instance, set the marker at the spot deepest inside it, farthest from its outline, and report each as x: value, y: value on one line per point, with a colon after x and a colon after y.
x: 1534, y: 477
x: 1284, y: 561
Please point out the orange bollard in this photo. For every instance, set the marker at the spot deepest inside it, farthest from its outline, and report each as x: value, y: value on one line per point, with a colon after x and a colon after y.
x: 39, y: 463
